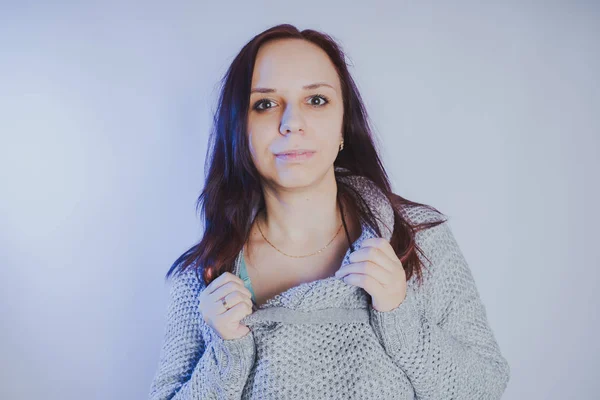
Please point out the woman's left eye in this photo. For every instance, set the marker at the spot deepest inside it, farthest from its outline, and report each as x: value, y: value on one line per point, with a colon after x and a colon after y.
x: 319, y: 96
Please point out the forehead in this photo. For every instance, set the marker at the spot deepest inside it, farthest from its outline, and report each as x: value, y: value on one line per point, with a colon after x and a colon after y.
x: 292, y: 63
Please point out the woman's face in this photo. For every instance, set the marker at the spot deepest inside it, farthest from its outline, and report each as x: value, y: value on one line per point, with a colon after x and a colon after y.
x: 296, y: 103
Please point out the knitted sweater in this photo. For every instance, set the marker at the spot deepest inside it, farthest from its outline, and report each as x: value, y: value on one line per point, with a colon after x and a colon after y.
x: 324, y: 340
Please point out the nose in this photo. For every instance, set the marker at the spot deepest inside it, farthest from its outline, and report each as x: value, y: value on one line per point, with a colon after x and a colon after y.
x: 291, y: 121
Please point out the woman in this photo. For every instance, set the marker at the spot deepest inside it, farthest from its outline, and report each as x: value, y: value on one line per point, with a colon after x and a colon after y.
x: 275, y: 303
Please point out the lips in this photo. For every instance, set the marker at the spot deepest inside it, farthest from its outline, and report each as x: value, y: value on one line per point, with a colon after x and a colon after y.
x: 294, y: 152
x: 295, y: 155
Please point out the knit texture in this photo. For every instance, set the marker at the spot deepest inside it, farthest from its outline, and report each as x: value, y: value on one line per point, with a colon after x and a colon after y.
x: 324, y: 340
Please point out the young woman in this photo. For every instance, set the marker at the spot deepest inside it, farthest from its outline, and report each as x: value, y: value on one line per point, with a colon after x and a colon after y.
x: 312, y: 279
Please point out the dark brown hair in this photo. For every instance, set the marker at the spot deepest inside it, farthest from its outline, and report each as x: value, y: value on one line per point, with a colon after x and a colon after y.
x: 232, y: 187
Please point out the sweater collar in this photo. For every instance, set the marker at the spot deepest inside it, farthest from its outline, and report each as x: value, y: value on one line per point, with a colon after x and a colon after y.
x: 332, y: 292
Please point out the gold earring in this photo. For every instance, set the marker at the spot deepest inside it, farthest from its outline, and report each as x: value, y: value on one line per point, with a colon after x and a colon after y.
x: 341, y: 144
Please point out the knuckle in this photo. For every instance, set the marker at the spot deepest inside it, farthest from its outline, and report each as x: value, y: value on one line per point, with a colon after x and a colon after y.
x: 237, y: 296
x: 227, y: 274
x: 231, y: 284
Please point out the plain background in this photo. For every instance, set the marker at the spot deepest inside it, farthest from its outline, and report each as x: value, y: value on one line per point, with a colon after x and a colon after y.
x: 488, y: 112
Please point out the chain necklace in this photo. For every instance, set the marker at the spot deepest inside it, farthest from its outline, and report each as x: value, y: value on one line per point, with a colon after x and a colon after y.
x: 272, y: 245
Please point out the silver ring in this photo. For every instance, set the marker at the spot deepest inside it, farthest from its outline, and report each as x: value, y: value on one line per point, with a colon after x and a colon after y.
x: 224, y: 303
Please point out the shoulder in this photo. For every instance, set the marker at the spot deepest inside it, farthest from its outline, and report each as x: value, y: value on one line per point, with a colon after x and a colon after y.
x: 435, y: 225
x: 446, y: 272
x: 435, y: 239
x: 187, y: 283
x: 375, y: 200
x: 420, y: 214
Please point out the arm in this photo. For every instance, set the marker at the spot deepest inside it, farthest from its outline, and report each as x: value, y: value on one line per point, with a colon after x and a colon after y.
x: 189, y: 368
x: 444, y: 343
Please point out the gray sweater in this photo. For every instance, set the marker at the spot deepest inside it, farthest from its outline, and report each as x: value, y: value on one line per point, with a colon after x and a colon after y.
x: 323, y: 339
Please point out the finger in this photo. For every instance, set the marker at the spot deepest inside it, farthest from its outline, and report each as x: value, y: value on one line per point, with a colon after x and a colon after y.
x: 375, y: 271
x: 229, y: 287
x: 232, y: 293
x: 222, y: 280
x: 235, y: 313
x: 372, y: 286
x: 382, y: 244
x: 375, y: 255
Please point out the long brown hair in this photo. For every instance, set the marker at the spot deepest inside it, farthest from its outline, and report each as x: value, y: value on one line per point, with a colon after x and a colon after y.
x: 232, y: 190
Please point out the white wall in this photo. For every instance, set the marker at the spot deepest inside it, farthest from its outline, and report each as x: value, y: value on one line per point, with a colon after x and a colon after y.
x: 487, y: 112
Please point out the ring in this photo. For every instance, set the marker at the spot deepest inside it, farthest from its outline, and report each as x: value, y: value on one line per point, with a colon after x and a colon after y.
x: 224, y: 303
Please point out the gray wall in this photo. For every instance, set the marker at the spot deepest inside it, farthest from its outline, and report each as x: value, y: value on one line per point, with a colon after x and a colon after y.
x: 487, y: 112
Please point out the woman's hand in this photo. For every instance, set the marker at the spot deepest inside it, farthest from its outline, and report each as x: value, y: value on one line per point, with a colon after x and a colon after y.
x: 239, y: 300
x: 376, y: 268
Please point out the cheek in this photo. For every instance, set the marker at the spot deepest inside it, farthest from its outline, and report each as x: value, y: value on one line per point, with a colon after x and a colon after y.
x: 259, y: 148
x: 251, y: 146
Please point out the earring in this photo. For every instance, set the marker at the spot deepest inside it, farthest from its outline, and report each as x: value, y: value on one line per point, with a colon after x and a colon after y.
x: 341, y: 144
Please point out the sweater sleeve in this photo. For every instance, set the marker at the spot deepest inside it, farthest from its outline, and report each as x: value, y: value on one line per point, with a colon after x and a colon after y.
x: 442, y: 340
x: 190, y: 367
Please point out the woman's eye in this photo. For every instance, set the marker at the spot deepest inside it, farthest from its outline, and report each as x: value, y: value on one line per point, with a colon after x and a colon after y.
x: 315, y: 101
x: 317, y: 97
x: 258, y: 104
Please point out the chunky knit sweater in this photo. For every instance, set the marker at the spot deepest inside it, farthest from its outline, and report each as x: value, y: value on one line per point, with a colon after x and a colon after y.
x: 324, y: 340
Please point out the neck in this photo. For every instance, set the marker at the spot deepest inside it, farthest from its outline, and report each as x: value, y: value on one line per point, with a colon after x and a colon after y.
x: 301, y: 220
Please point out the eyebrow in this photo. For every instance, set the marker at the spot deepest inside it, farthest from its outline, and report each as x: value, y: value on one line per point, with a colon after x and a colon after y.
x: 307, y: 87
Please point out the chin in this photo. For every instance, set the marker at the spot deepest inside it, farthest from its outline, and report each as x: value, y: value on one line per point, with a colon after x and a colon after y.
x: 299, y: 177
x: 292, y: 179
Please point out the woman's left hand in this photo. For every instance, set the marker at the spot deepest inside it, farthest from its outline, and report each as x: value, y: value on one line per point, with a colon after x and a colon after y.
x: 376, y: 268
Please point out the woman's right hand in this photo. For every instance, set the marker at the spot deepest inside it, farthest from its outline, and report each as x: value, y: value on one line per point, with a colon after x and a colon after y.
x: 239, y: 300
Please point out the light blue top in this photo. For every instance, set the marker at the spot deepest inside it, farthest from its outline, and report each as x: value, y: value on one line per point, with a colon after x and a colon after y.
x: 244, y: 276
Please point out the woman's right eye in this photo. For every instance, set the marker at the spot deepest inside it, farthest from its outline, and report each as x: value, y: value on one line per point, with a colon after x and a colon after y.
x: 261, y: 102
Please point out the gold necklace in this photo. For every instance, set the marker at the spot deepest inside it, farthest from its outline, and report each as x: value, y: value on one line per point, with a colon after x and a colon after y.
x: 272, y: 245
